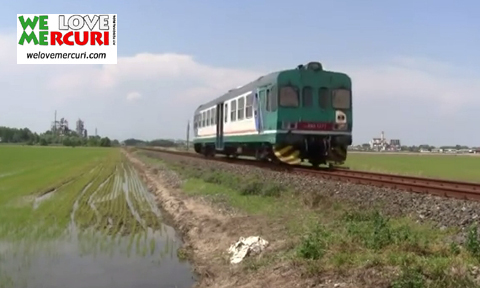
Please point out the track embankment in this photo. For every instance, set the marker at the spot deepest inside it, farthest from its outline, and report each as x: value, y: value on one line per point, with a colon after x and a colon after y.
x: 322, y: 233
x: 208, y: 230
x: 438, y: 187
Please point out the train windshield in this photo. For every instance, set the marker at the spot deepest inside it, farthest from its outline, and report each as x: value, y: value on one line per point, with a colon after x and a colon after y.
x: 289, y: 96
x: 341, y: 99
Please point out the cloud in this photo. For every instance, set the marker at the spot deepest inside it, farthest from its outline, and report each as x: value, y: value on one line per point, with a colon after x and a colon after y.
x: 133, y: 96
x: 172, y: 86
x: 446, y: 87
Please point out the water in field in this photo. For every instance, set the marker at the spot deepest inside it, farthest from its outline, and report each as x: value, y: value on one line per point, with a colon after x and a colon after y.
x: 115, y: 238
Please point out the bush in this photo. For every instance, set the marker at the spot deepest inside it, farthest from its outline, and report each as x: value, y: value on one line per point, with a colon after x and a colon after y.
x: 273, y: 190
x: 472, y: 243
x: 410, y: 278
x: 374, y: 230
x: 251, y: 187
x: 314, y: 245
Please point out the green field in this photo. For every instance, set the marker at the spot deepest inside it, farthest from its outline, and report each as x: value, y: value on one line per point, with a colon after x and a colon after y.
x: 40, y: 186
x: 49, y: 194
x: 461, y: 167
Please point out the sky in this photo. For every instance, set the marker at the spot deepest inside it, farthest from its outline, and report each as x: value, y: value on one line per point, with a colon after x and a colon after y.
x: 413, y: 64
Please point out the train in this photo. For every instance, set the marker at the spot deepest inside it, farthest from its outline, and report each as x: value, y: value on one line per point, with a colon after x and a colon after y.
x: 303, y: 114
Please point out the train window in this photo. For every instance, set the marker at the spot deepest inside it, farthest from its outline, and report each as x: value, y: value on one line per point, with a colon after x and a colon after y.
x: 267, y: 99
x: 249, y: 107
x: 274, y: 99
x: 203, y: 119
x: 262, y: 99
x: 214, y: 116
x: 307, y: 96
x: 289, y: 96
x: 195, y: 122
x: 241, y: 108
x: 208, y: 118
x: 323, y: 94
x: 341, y: 99
x: 233, y: 110
x: 226, y: 113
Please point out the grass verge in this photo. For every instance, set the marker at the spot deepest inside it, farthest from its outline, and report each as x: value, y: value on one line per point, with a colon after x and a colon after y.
x: 333, y: 238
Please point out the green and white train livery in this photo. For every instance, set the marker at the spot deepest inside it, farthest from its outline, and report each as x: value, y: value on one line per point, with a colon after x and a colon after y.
x: 302, y: 114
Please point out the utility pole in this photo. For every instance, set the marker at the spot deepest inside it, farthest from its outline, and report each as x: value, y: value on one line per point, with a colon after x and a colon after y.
x: 188, y: 133
x: 55, y: 124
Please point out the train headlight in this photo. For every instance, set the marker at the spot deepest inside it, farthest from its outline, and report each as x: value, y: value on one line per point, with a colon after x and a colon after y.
x: 340, y: 117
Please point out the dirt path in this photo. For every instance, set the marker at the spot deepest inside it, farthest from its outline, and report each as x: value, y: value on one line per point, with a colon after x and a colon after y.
x: 208, y: 232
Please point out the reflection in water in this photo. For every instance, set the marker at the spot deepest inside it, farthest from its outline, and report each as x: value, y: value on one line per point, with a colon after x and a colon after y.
x: 143, y: 255
x: 90, y: 261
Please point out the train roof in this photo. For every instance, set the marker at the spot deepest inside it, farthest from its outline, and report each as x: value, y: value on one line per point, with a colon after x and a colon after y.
x: 262, y: 80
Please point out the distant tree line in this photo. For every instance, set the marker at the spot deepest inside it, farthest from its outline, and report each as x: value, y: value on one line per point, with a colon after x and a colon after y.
x: 71, y: 138
x: 424, y: 147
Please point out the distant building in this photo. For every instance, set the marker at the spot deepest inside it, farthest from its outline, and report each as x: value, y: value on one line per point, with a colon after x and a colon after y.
x: 60, y: 127
x: 381, y: 144
x: 80, y: 128
x: 395, y: 142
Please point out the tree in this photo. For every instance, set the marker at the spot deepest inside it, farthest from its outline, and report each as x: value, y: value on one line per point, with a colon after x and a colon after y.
x: 134, y: 142
x: 70, y: 138
x: 105, y: 142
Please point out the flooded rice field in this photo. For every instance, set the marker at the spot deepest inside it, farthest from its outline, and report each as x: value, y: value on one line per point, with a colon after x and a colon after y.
x: 99, y: 229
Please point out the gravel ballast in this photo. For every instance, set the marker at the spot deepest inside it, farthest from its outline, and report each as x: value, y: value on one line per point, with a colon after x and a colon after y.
x: 442, y: 212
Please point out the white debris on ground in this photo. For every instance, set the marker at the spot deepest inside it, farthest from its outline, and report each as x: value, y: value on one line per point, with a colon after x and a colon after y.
x: 246, y: 246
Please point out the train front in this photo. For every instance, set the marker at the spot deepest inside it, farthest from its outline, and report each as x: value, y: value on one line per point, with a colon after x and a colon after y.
x: 314, y: 116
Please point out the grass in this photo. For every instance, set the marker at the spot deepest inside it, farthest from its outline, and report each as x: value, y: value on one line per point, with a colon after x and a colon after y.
x: 462, y: 168
x: 30, y: 172
x: 93, y: 191
x: 332, y: 237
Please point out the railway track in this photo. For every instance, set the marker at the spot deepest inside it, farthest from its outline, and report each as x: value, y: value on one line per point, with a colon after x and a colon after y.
x: 439, y: 187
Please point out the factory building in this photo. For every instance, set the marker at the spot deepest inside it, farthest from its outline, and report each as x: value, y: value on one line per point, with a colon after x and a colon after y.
x: 81, y: 131
x: 382, y: 144
x: 61, y: 128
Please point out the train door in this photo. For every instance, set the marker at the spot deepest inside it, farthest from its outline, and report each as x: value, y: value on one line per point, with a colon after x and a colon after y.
x: 219, y: 145
x: 258, y: 110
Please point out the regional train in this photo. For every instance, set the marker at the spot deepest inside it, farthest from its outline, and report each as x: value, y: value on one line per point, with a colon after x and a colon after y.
x: 291, y: 116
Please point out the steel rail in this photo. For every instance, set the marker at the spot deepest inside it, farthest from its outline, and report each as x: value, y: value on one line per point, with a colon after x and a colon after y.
x: 439, y: 187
